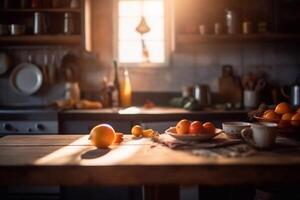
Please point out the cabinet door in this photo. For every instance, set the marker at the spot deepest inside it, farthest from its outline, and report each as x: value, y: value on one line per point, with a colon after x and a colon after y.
x: 84, y: 127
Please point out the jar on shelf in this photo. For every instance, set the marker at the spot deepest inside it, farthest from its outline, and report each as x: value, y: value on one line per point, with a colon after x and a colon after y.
x: 69, y: 23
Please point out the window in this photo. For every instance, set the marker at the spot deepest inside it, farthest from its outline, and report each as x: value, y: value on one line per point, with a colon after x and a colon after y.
x: 128, y: 42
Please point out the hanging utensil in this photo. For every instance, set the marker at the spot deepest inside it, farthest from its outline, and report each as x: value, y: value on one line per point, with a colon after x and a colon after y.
x: 143, y: 27
x: 45, y: 69
x: 260, y: 85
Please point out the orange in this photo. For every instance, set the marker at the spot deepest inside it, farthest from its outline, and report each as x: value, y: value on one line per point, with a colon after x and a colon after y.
x: 209, y: 127
x: 287, y: 116
x: 137, y: 131
x: 283, y: 108
x: 182, y: 127
x: 102, y: 136
x: 148, y: 133
x: 296, y: 119
x: 119, y: 138
x: 267, y: 111
x: 196, y: 127
x: 271, y: 116
x: 285, y: 120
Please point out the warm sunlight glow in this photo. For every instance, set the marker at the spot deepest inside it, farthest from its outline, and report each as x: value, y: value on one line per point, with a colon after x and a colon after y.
x: 129, y: 41
x: 81, y: 152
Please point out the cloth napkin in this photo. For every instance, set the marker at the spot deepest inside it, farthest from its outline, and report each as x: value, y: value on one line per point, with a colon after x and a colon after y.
x: 219, y: 141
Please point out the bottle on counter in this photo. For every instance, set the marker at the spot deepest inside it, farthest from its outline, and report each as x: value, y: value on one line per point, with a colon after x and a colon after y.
x: 125, y: 90
x: 115, y: 93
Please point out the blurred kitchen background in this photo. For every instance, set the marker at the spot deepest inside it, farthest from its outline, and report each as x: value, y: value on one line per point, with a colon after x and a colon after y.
x: 196, y: 57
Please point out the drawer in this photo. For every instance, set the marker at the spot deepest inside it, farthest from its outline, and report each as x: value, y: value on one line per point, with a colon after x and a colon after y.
x: 84, y: 127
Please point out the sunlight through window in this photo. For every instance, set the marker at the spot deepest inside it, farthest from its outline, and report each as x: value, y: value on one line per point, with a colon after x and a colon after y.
x: 129, y: 45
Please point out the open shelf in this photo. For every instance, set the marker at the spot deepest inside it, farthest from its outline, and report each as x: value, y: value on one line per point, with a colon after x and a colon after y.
x: 268, y: 37
x: 41, y: 40
x: 41, y: 10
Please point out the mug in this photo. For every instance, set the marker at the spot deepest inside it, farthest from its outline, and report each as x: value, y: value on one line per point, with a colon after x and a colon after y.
x: 261, y: 135
x: 251, y: 98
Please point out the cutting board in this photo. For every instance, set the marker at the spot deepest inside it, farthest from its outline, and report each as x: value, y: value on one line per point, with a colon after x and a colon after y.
x: 230, y: 89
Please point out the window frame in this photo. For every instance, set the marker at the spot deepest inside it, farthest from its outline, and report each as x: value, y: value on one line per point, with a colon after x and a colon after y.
x: 168, y: 34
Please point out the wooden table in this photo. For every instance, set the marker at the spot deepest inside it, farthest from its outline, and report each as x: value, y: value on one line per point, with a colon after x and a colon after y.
x: 70, y: 160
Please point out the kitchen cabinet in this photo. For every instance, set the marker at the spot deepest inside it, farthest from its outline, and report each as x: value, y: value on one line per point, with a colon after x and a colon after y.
x: 158, y: 118
x: 85, y: 126
x: 279, y: 18
x: 53, y: 21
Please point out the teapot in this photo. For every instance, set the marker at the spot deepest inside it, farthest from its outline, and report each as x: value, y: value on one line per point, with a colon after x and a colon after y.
x: 294, y: 94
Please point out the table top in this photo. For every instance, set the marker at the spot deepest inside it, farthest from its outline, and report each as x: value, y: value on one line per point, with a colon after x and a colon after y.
x: 71, y: 160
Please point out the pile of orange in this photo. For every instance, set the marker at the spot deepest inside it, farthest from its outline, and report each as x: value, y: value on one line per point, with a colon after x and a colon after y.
x: 138, y: 131
x: 284, y: 115
x: 104, y: 135
x: 184, y: 126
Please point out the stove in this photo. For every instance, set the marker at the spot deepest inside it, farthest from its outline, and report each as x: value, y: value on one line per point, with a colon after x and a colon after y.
x: 28, y: 121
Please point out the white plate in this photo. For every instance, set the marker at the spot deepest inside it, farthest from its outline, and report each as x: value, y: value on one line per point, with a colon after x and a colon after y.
x: 26, y: 78
x: 192, y: 137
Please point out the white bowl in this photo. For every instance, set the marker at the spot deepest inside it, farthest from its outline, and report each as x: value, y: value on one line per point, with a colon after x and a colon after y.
x: 233, y: 129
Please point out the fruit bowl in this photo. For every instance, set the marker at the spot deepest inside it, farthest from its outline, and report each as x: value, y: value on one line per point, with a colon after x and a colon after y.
x: 286, y: 127
x: 192, y: 137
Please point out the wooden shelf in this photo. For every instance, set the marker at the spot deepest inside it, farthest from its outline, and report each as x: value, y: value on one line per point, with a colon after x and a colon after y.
x: 41, y: 40
x: 196, y: 38
x: 60, y: 10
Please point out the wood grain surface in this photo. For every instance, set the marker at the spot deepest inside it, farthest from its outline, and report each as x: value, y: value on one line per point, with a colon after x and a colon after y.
x: 71, y: 160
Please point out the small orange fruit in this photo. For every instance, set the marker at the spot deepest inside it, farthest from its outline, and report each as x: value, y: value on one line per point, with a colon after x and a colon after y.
x: 102, y: 136
x: 182, y: 127
x: 271, y: 116
x: 196, y: 127
x: 148, y: 133
x: 118, y: 138
x: 137, y: 131
x: 287, y: 116
x: 285, y: 120
x: 296, y: 119
x: 283, y: 108
x: 267, y: 111
x: 209, y: 127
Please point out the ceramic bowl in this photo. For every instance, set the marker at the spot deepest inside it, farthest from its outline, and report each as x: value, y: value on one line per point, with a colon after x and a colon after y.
x: 233, y: 129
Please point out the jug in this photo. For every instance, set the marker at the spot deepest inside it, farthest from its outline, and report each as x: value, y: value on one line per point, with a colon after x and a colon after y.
x: 294, y: 95
x: 202, y: 94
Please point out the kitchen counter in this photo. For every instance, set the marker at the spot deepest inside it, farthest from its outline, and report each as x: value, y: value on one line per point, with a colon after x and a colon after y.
x: 152, y: 114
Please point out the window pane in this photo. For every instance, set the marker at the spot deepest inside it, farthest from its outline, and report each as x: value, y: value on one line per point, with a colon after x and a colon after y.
x: 129, y: 8
x: 127, y: 27
x: 156, y: 51
x: 129, y: 41
x: 130, y: 52
x: 157, y: 28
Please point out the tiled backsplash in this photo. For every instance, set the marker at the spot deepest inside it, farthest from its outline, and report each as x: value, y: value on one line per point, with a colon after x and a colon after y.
x: 203, y: 64
x: 192, y: 64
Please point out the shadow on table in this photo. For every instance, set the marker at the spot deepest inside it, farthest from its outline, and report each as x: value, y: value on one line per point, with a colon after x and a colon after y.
x: 95, y: 153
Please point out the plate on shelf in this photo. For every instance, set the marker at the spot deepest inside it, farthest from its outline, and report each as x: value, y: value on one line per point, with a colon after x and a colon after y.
x: 192, y: 137
x: 26, y: 78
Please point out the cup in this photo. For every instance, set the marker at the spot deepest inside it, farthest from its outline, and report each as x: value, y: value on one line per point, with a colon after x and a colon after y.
x: 218, y: 28
x: 203, y: 29
x: 261, y: 135
x: 250, y: 98
x: 233, y: 129
x: 247, y: 27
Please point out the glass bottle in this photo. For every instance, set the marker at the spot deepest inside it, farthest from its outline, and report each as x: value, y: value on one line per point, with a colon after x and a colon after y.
x: 116, y: 87
x: 126, y: 91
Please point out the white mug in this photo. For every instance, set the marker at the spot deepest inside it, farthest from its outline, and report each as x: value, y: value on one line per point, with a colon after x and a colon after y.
x: 261, y: 135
